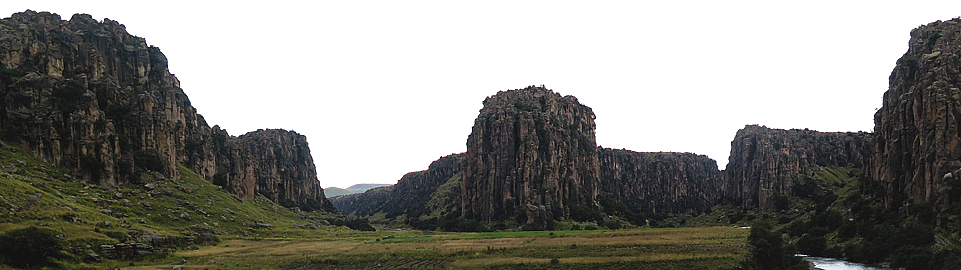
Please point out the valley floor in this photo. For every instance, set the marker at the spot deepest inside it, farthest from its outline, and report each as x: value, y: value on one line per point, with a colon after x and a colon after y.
x: 682, y: 248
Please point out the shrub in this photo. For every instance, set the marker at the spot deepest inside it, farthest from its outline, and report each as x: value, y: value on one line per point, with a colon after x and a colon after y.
x: 811, y: 244
x: 768, y: 250
x: 30, y: 247
x: 911, y: 257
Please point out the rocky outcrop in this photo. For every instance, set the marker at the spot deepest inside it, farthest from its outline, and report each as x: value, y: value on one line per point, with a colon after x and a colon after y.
x: 358, y: 188
x: 418, y: 196
x: 917, y: 151
x: 277, y: 164
x: 413, y: 191
x: 659, y: 184
x: 531, y: 157
x: 87, y: 95
x: 766, y: 163
x: 362, y: 204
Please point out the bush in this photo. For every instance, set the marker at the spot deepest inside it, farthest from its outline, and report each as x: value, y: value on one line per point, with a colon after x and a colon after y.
x: 768, y: 250
x: 813, y: 245
x: 911, y: 257
x: 464, y: 225
x: 359, y: 224
x: 30, y: 247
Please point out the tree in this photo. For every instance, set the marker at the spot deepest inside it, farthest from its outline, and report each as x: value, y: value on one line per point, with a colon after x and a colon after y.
x: 768, y: 250
x: 30, y: 247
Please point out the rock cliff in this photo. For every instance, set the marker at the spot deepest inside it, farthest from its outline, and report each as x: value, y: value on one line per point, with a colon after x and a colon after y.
x: 917, y: 153
x: 87, y: 95
x: 279, y: 165
x: 531, y: 157
x: 358, y: 188
x: 659, y: 184
x: 418, y: 199
x: 766, y: 163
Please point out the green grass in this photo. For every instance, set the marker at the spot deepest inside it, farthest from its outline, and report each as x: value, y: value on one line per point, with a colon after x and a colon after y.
x: 684, y: 248
x: 33, y: 193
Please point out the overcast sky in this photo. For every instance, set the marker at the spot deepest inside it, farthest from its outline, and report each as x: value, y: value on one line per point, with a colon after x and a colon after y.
x: 382, y: 88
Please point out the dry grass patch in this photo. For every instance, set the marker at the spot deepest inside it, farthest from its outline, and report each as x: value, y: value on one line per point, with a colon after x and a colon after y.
x: 685, y: 248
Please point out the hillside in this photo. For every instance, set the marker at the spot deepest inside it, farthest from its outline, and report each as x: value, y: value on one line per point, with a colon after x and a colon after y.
x: 101, y: 148
x: 358, y: 188
x: 88, y: 96
x: 162, y: 214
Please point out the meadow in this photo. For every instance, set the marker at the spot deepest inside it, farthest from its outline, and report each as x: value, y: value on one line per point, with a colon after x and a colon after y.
x: 259, y: 234
x: 675, y: 248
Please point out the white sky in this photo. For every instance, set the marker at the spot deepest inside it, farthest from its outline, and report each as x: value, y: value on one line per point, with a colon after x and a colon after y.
x: 382, y: 88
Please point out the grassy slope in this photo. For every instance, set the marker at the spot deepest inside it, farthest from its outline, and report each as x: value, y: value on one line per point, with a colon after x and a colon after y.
x: 33, y: 193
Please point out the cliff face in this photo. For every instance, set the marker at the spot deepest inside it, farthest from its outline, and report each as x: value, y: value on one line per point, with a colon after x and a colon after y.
x: 417, y: 196
x: 277, y: 164
x: 917, y: 154
x: 766, y: 163
x: 413, y: 191
x: 87, y: 95
x: 362, y: 204
x: 531, y: 151
x: 659, y: 183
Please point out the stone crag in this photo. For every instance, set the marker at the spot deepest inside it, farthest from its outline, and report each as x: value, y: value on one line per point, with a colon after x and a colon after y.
x: 917, y: 156
x: 531, y: 160
x: 659, y: 184
x: 418, y: 196
x: 766, y: 163
x: 531, y: 156
x: 87, y: 95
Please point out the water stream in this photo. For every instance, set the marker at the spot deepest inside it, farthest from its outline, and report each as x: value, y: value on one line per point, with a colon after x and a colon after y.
x: 838, y: 264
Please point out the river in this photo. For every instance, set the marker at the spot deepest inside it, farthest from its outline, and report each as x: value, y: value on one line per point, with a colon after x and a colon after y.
x: 837, y: 264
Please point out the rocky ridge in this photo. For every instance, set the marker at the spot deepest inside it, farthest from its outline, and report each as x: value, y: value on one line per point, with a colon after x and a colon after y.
x: 532, y: 160
x: 917, y: 154
x: 766, y: 163
x: 87, y: 95
x: 531, y: 152
x: 419, y: 198
x: 358, y: 188
x: 659, y: 184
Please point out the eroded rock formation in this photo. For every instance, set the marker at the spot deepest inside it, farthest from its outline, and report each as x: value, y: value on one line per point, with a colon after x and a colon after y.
x: 421, y: 197
x: 87, y: 95
x: 660, y: 183
x: 917, y: 153
x: 766, y: 163
x: 531, y: 156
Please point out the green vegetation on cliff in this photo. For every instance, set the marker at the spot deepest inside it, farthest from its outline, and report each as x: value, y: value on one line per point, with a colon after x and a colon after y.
x: 168, y: 214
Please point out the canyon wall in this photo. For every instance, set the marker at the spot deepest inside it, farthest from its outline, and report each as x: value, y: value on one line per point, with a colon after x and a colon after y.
x: 917, y: 153
x: 766, y: 163
x: 659, y: 184
x: 88, y: 96
x: 531, y: 157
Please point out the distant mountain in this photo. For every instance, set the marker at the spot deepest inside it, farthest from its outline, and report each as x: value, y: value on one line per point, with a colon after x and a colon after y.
x: 358, y: 188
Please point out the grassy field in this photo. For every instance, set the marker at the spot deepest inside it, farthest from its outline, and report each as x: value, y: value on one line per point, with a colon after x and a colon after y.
x: 259, y: 234
x: 683, y: 248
